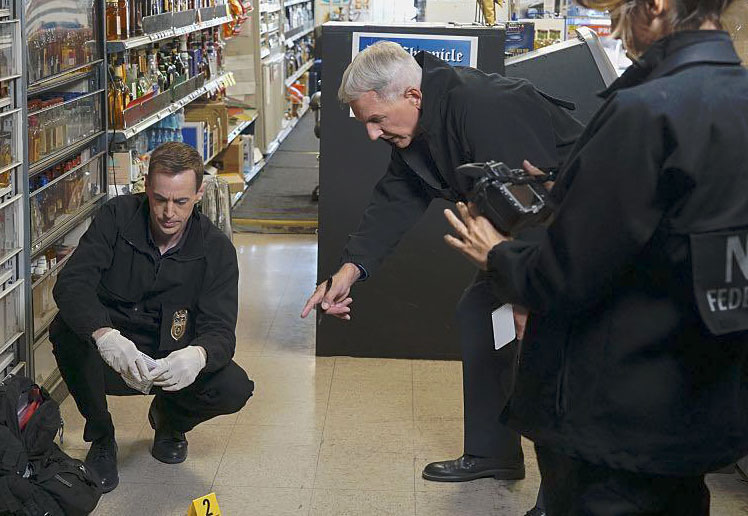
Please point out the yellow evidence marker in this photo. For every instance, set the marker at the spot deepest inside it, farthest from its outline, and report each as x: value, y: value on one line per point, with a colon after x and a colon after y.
x: 205, y: 506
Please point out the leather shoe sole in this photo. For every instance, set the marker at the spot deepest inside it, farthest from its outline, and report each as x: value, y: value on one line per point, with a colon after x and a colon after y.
x: 516, y: 473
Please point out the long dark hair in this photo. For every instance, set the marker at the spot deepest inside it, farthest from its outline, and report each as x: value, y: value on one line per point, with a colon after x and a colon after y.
x: 682, y: 15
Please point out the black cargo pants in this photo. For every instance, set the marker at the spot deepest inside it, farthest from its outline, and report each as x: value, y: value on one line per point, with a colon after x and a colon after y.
x: 89, y: 379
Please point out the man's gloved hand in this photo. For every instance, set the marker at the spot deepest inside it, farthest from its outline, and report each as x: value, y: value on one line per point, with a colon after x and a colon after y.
x: 122, y: 355
x: 179, y: 369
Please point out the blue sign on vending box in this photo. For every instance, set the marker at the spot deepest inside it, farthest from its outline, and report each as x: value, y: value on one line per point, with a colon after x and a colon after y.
x: 455, y: 50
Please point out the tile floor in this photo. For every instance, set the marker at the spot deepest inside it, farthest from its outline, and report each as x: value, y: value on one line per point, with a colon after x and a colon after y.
x: 321, y: 436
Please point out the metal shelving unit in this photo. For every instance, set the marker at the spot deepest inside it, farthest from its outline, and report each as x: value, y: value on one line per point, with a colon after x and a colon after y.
x: 298, y: 33
x: 295, y: 2
x: 301, y: 71
x: 79, y: 84
x: 14, y: 334
x: 113, y: 47
x: 222, y: 81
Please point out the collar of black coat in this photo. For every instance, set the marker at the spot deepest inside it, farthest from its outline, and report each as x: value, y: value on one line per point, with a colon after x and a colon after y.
x: 437, y: 79
x: 137, y: 230
x: 675, y: 52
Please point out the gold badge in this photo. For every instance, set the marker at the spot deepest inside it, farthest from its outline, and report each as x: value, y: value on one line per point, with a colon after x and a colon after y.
x: 179, y: 324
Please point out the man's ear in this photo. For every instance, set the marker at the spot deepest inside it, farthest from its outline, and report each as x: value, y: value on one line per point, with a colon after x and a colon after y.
x: 415, y: 96
x: 200, y: 191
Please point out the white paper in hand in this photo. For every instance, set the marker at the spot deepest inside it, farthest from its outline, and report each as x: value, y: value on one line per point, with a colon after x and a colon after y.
x: 143, y: 386
x: 503, y: 326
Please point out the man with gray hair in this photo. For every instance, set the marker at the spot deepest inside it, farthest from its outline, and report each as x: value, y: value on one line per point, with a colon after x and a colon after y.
x: 436, y: 118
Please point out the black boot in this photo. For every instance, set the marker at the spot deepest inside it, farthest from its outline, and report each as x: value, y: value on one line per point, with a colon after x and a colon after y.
x: 169, y: 446
x: 102, y: 460
x: 469, y: 467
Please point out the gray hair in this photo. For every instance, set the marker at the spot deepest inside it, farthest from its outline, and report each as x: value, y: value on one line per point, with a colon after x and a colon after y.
x: 384, y: 68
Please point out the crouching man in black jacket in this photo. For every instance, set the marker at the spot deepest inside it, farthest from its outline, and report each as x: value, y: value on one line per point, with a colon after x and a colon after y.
x: 151, y: 276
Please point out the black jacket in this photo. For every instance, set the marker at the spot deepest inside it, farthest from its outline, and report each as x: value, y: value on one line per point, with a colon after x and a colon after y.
x: 116, y: 278
x: 633, y: 356
x: 466, y: 116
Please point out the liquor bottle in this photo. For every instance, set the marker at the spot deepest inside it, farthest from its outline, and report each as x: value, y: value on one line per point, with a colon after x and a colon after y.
x: 212, y: 60
x: 181, y: 72
x: 124, y: 19
x: 153, y: 74
x: 131, y: 73
x: 70, y: 58
x: 34, y: 144
x: 171, y: 71
x: 113, y: 20
x: 143, y: 86
x: 184, y: 57
x: 137, y: 11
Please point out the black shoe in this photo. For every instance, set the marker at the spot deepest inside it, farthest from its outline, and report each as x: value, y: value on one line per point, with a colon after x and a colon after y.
x: 535, y: 511
x: 169, y: 446
x: 469, y: 467
x: 102, y: 460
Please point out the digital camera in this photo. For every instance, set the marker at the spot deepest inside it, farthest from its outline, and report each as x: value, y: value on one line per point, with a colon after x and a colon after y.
x: 510, y: 198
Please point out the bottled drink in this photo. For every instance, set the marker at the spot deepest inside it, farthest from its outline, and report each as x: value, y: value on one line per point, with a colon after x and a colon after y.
x: 124, y: 16
x: 113, y: 20
x: 137, y: 11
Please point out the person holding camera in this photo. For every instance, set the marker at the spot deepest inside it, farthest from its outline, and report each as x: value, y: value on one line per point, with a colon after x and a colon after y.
x: 631, y: 378
x: 435, y: 118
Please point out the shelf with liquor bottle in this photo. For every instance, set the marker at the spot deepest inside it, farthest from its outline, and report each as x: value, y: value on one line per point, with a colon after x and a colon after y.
x: 60, y: 123
x: 261, y: 55
x: 299, y: 59
x: 270, y: 21
x: 299, y: 21
x: 13, y: 254
x: 64, y: 172
x: 269, y: 6
x: 63, y: 195
x: 12, y: 300
x: 62, y: 38
x: 5, y: 9
x: 137, y: 23
x: 44, y: 271
x: 148, y: 85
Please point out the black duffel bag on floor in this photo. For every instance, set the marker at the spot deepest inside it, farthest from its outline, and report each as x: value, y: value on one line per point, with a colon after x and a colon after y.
x: 36, y: 477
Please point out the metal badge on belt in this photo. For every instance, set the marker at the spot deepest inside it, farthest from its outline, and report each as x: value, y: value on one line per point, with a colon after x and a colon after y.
x: 720, y: 276
x: 179, y: 324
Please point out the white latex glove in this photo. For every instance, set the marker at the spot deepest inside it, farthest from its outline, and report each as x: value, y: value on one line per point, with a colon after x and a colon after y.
x: 179, y: 369
x: 120, y: 354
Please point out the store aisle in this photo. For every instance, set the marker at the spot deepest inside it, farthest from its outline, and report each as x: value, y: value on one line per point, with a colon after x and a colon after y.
x: 280, y: 200
x: 321, y: 436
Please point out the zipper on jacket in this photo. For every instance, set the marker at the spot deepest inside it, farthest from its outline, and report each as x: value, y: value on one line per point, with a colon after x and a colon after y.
x: 63, y: 481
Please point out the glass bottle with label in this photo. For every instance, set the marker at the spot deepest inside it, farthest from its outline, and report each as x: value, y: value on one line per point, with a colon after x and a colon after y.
x: 124, y: 19
x: 113, y: 20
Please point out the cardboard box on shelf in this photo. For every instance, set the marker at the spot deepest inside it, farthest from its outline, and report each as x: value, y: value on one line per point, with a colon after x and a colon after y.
x: 194, y: 134
x: 216, y: 114
x: 236, y: 182
x: 232, y: 159
x: 120, y: 165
